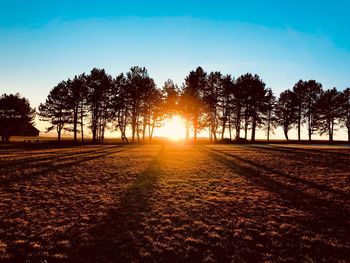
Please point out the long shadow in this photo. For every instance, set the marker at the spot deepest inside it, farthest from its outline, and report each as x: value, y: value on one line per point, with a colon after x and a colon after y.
x: 329, y: 213
x: 303, y: 152
x: 294, y: 179
x: 51, y: 155
x: 343, y: 152
x: 51, y: 166
x: 116, y: 238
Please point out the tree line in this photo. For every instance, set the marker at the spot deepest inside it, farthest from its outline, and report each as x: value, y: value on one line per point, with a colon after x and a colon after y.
x: 224, y: 106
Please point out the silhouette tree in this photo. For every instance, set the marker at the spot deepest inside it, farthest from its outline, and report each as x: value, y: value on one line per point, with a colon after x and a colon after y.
x: 138, y: 84
x: 226, y: 104
x: 83, y: 109
x: 300, y: 89
x: 238, y: 106
x: 211, y: 97
x: 253, y: 92
x: 286, y: 111
x: 192, y: 99
x: 312, y: 93
x: 171, y: 94
x: 329, y: 108
x: 156, y: 113
x: 345, y: 116
x: 213, y: 101
x: 120, y: 105
x: 151, y: 107
x: 15, y: 113
x: 56, y: 109
x: 168, y: 102
x: 76, y: 100
x: 269, y: 120
x: 99, y: 85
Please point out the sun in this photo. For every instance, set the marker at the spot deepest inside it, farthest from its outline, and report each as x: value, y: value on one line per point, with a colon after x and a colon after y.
x: 174, y: 128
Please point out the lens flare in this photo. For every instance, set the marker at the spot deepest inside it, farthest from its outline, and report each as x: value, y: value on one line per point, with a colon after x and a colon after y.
x: 174, y: 128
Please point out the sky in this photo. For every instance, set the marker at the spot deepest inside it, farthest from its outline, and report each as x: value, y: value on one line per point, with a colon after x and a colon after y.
x: 44, y: 42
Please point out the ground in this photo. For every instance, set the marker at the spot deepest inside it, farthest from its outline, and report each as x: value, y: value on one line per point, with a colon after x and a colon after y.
x: 175, y: 203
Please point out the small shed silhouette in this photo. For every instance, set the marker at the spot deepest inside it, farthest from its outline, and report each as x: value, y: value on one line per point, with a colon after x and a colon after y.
x: 27, y: 130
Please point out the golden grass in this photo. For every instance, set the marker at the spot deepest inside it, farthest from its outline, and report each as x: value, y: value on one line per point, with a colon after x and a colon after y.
x: 175, y: 202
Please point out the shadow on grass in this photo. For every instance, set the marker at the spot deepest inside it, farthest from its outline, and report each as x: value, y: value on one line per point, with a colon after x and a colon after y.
x: 23, y: 251
x: 33, y: 160
x: 294, y: 179
x: 116, y: 237
x: 305, y: 152
x: 69, y: 161
x: 326, y: 217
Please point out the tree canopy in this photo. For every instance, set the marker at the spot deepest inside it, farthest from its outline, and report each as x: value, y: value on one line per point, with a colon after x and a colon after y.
x: 222, y: 105
x: 15, y: 115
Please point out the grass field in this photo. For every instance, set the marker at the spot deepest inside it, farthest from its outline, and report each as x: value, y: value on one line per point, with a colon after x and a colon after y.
x: 173, y: 202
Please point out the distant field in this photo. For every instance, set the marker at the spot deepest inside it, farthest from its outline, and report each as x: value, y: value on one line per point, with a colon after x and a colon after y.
x: 174, y: 202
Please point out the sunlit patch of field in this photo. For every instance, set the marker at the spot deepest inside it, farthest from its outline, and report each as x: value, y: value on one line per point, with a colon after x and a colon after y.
x: 175, y: 202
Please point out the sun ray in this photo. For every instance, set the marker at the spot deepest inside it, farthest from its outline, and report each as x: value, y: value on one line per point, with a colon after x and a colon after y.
x: 174, y: 128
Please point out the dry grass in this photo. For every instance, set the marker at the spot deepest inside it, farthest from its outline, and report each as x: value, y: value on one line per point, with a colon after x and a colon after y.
x: 175, y: 203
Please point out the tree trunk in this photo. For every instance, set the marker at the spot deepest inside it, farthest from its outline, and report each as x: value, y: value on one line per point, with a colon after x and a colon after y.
x: 133, y: 128
x: 245, y: 130
x: 75, y: 124
x: 137, y: 129
x: 94, y: 125
x: 143, y: 133
x: 230, y: 130
x: 149, y: 131
x: 238, y: 122
x: 214, y: 134
x: 187, y: 128
x: 82, y: 121
x: 299, y: 123
x: 309, y: 126
x: 195, y: 127
x: 223, y: 127
x: 253, y: 128
x: 286, y: 134
x: 152, y: 130
x: 331, y: 125
x: 82, y: 129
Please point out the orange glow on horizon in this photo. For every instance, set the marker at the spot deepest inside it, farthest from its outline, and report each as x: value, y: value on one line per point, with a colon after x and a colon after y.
x: 173, y: 129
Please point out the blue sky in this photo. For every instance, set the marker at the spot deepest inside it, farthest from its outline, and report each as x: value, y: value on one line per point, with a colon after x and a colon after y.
x: 43, y: 42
